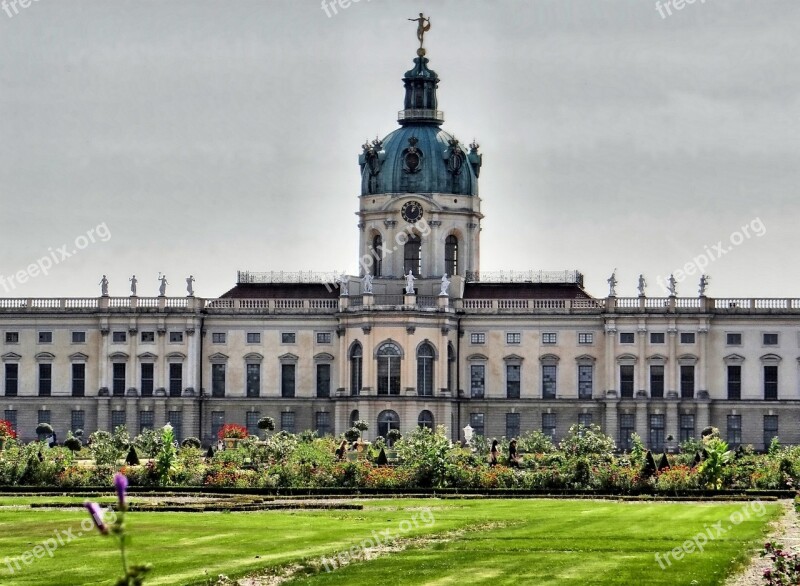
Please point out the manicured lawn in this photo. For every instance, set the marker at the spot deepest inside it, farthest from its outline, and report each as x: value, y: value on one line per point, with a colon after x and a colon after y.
x: 478, y: 541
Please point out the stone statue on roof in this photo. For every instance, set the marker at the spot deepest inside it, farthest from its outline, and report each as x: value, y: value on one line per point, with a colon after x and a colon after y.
x: 423, y: 26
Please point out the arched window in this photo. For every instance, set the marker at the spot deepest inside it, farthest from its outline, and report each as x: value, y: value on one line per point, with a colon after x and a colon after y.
x: 451, y: 255
x: 389, y: 369
x: 356, y: 364
x: 353, y: 417
x: 387, y: 420
x: 425, y: 419
x: 377, y: 256
x: 411, y: 253
x: 425, y: 370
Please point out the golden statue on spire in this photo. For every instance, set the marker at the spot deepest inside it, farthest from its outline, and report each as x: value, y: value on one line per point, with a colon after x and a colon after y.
x: 423, y: 26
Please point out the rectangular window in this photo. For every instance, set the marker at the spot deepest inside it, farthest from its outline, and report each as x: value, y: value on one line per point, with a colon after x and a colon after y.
x: 175, y: 379
x: 45, y: 380
x: 118, y: 418
x: 251, y: 422
x: 148, y: 379
x: 45, y: 337
x: 626, y: 381
x: 324, y: 337
x: 548, y: 381
x: 119, y: 337
x: 657, y: 433
x: 322, y: 423
x: 77, y: 420
x: 686, y: 428
x: 627, y: 427
x: 657, y: 381
x: 218, y: 337
x: 513, y: 338
x: 43, y: 416
x: 770, y: 339
x: 549, y: 338
x: 78, y: 379
x: 734, y: 430
x: 10, y: 415
x: 477, y: 338
x: 477, y: 380
x: 176, y: 337
x: 512, y: 425
x: 175, y: 419
x: 288, y: 338
x: 78, y: 337
x: 253, y: 337
x: 734, y: 382
x: 287, y: 380
x: 585, y: 338
x: 148, y: 337
x: 147, y: 420
x: 687, y: 381
x: 12, y: 337
x: 217, y: 421
x: 585, y: 419
x: 656, y: 337
x: 118, y: 379
x: 12, y: 379
x: 627, y: 337
x: 549, y: 425
x: 687, y: 337
x: 733, y: 339
x: 771, y: 383
x: 512, y: 381
x: 585, y: 381
x: 218, y: 380
x: 770, y: 429
x: 253, y: 380
x: 287, y: 421
x: 323, y: 381
x: 477, y: 422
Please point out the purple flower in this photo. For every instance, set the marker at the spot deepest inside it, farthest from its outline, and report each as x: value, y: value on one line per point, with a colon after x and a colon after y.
x: 121, y: 484
x: 97, y: 516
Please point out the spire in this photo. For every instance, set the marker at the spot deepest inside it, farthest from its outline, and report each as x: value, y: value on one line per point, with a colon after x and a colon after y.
x: 420, y: 84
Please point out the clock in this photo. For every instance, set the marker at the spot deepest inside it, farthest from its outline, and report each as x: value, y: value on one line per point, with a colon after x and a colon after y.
x: 411, y: 212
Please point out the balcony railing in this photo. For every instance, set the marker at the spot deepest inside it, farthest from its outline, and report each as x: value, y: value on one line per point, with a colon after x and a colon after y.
x: 535, y: 277
x: 420, y: 114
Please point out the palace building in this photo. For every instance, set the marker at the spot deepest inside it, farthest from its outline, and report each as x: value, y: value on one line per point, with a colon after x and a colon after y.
x: 421, y: 337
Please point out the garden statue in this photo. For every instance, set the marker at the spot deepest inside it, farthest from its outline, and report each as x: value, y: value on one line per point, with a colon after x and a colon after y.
x: 673, y: 288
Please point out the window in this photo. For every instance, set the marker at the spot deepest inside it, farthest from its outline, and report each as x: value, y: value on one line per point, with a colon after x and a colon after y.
x: 477, y: 422
x: 656, y: 337
x: 548, y: 381
x: 119, y: 337
x: 43, y: 416
x: 45, y: 337
x: 217, y: 421
x: 253, y: 337
x: 425, y: 419
x: 733, y: 339
x: 45, y: 380
x: 387, y: 420
x: 657, y: 433
x: 513, y: 338
x: 412, y: 259
x: 585, y: 381
x: 77, y: 420
x: 323, y: 381
x: 287, y: 421
x: 687, y: 381
x: 627, y: 337
x: 176, y: 337
x: 253, y: 380
x: 146, y: 420
x: 175, y: 419
x: 686, y: 427
x: 219, y: 337
x: 12, y: 337
x: 425, y: 356
x: 10, y: 415
x: 451, y: 255
x: 12, y: 380
x: 627, y: 427
x: 734, y: 382
x: 354, y: 416
x: 657, y: 381
x: 175, y: 379
x: 148, y: 379
x: 78, y: 380
x: 770, y: 382
x: 118, y: 379
x: 322, y: 421
x: 549, y: 425
x: 377, y: 255
x: 356, y: 363
x: 323, y: 337
x: 770, y: 339
x: 585, y: 338
x: 78, y: 337
x: 477, y: 338
x: 389, y: 369
x: 734, y: 430
x: 148, y: 337
x: 218, y: 379
x: 477, y: 380
x: 770, y: 429
x: 287, y: 380
x: 118, y: 419
x: 687, y: 337
x: 512, y: 381
x: 288, y: 338
x: 626, y: 381
x: 251, y: 422
x: 512, y: 425
x: 585, y: 419
x: 549, y: 338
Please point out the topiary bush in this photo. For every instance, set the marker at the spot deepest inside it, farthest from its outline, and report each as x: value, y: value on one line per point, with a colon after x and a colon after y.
x: 191, y: 442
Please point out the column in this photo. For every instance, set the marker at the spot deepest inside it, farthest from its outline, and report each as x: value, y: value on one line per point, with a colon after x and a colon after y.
x: 160, y: 412
x: 102, y: 361
x: 642, y: 423
x: 672, y: 421
x: 641, y: 375
x: 193, y: 360
x: 132, y: 415
x: 611, y: 418
x: 103, y: 405
x: 671, y: 367
x: 702, y: 380
x: 702, y: 419
x: 611, y: 372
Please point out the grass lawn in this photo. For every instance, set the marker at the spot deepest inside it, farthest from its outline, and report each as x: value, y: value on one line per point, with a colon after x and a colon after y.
x: 479, y: 541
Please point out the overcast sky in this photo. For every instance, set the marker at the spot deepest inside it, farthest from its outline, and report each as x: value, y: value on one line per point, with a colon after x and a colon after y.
x: 211, y: 136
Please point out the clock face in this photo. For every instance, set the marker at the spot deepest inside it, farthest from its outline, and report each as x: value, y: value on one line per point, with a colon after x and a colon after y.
x: 411, y: 211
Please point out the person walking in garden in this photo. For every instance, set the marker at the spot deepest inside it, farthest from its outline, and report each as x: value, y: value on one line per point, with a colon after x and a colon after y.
x: 513, y: 458
x: 341, y: 450
x: 493, y: 454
